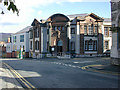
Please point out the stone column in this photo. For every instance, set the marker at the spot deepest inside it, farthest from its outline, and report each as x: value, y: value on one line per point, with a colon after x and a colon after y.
x: 69, y: 35
x: 77, y: 44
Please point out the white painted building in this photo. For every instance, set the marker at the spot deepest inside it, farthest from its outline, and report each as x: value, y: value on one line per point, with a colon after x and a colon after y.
x: 19, y: 40
x: 107, y: 34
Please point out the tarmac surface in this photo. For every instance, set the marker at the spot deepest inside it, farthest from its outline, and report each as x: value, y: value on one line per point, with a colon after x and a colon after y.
x: 101, y: 65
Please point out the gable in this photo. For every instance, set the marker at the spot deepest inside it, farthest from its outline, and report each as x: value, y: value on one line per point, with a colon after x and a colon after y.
x: 95, y: 17
x: 35, y: 22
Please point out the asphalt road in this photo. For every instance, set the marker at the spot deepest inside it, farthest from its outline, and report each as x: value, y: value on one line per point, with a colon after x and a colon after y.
x: 54, y: 73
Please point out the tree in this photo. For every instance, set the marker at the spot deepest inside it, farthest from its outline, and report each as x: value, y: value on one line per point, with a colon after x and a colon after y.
x: 10, y: 5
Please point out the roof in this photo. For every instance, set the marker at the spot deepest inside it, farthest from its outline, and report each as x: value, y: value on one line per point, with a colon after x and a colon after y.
x: 24, y: 30
x: 35, y: 20
x: 76, y: 15
x: 107, y: 20
x: 4, y: 36
x: 82, y: 16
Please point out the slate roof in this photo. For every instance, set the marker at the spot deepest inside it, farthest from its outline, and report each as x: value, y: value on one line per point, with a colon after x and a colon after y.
x: 24, y: 30
x: 107, y: 20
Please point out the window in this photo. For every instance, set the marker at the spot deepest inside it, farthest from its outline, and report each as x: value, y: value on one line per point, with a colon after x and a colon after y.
x: 110, y: 33
x: 63, y: 28
x: 37, y: 33
x: 14, y: 38
x: 47, y: 31
x: 21, y: 38
x: 37, y: 45
x: 31, y: 34
x: 30, y: 44
x: 106, y: 45
x: 72, y: 46
x: 85, y: 29
x: 55, y: 28
x: 90, y: 45
x: 106, y: 32
x: 90, y: 29
x: 72, y: 30
x: 86, y: 45
x: 96, y: 30
x: 59, y: 28
x: 95, y: 46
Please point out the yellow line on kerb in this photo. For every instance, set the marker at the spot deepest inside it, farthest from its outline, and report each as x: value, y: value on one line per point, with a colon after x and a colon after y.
x: 20, y: 77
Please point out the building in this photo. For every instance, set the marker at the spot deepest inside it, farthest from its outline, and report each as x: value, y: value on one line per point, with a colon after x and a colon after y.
x: 2, y: 49
x: 115, y: 13
x: 3, y: 41
x: 4, y: 36
x: 38, y: 38
x: 17, y: 41
x: 107, y: 33
x: 79, y: 35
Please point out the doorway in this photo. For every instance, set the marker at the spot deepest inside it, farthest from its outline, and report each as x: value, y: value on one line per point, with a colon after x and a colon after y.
x: 60, y: 46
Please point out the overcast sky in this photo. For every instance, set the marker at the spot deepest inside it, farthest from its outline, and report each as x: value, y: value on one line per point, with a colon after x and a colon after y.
x: 43, y: 9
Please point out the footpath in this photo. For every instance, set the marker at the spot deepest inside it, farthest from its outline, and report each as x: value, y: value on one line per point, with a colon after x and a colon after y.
x: 7, y: 80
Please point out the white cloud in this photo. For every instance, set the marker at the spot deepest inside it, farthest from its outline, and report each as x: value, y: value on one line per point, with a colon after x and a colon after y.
x: 40, y: 12
x: 26, y: 8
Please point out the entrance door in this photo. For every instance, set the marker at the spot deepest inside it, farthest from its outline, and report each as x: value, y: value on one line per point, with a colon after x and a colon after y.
x: 59, y: 46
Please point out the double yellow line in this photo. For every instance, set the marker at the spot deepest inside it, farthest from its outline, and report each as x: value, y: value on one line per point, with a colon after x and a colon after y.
x: 21, y: 78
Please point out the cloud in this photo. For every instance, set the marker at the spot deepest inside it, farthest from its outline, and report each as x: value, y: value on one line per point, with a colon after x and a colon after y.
x: 8, y: 23
x: 40, y: 12
x: 27, y: 8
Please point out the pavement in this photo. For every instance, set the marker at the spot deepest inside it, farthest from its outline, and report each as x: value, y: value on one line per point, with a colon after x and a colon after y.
x: 7, y: 80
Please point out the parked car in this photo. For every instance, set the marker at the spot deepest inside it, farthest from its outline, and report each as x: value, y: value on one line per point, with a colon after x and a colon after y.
x: 107, y: 53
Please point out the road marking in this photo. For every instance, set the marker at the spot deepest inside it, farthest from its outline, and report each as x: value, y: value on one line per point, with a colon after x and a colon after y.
x: 21, y: 78
x: 105, y: 72
x: 86, y: 68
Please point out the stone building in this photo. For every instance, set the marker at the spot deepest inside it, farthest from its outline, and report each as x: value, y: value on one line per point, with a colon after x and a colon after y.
x: 115, y: 13
x: 79, y: 34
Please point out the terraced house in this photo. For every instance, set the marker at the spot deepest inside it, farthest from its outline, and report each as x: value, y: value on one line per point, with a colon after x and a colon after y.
x: 79, y: 35
x: 17, y: 41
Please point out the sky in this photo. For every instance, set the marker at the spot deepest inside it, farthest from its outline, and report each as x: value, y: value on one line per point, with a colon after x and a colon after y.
x: 43, y: 9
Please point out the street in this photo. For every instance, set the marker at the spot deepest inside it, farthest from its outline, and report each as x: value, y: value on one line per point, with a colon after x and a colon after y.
x: 56, y: 73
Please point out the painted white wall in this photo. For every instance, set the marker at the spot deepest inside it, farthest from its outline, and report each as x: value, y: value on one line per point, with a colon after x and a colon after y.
x: 9, y: 48
x: 77, y: 43
x: 106, y: 38
x: 43, y: 39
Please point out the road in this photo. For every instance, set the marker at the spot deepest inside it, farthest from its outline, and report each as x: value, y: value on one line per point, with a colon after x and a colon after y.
x: 54, y: 73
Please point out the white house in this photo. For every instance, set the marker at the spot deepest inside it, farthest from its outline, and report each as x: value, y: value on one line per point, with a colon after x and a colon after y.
x: 17, y: 41
x: 107, y: 34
